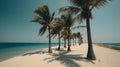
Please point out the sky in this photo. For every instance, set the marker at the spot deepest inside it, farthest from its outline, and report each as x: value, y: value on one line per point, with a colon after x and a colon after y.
x: 15, y: 25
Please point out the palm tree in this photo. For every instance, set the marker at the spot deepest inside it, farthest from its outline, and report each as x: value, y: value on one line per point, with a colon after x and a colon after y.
x: 83, y: 9
x: 56, y: 28
x: 79, y: 38
x: 57, y: 33
x: 64, y: 38
x: 44, y: 18
x: 67, y: 21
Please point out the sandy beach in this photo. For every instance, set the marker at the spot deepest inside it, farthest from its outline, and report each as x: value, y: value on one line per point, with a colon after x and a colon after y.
x: 76, y: 58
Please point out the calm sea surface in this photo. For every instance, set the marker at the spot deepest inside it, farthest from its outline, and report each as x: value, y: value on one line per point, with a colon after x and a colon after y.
x: 9, y: 50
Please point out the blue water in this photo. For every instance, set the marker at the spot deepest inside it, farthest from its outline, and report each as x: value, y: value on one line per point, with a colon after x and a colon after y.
x: 9, y: 50
x: 113, y: 44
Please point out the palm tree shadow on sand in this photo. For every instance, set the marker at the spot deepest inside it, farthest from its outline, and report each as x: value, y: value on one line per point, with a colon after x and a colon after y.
x: 66, y: 59
x: 42, y: 51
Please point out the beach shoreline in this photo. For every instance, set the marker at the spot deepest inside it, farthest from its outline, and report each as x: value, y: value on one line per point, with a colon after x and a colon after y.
x: 76, y: 58
x: 10, y: 50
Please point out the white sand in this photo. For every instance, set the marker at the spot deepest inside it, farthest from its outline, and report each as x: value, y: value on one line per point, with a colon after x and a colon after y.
x: 76, y: 58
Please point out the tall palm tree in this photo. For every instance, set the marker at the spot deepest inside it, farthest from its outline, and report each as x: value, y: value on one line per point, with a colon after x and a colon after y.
x: 64, y: 36
x: 66, y: 22
x: 57, y: 33
x: 59, y: 41
x: 44, y: 18
x: 69, y: 22
x: 83, y: 8
x: 56, y: 29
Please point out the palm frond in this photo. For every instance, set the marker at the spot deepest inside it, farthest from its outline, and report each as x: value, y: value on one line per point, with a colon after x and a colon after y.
x: 98, y: 3
x: 101, y: 3
x: 43, y: 11
x: 78, y: 3
x: 69, y: 9
x: 68, y: 20
x: 80, y: 17
x: 76, y: 27
x: 56, y: 26
x: 64, y: 33
x: 36, y: 19
x: 52, y: 16
x: 39, y: 20
x: 42, y: 30
x: 56, y: 22
x: 89, y: 3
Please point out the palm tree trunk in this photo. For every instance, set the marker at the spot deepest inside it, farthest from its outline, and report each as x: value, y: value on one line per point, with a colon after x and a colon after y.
x: 49, y: 50
x: 69, y: 42
x: 69, y: 45
x: 73, y: 41
x: 65, y: 42
x: 90, y: 53
x: 59, y: 41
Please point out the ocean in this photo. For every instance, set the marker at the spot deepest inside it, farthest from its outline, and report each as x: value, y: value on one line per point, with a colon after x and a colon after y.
x: 9, y: 50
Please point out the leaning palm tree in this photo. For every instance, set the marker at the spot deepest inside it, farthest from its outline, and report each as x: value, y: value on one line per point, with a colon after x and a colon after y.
x: 59, y: 26
x: 63, y: 24
x: 56, y: 28
x: 68, y: 23
x: 54, y: 33
x: 64, y: 37
x: 83, y: 9
x: 44, y: 18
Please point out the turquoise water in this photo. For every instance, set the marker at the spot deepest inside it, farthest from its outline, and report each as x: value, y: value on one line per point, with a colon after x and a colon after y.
x: 9, y: 50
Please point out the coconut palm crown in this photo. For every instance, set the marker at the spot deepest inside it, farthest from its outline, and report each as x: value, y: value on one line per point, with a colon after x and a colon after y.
x: 44, y: 18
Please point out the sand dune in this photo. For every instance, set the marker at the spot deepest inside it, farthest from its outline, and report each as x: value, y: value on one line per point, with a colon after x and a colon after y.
x: 76, y: 58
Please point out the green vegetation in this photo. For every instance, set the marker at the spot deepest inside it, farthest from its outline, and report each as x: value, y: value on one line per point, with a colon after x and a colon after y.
x: 82, y: 10
x: 109, y: 46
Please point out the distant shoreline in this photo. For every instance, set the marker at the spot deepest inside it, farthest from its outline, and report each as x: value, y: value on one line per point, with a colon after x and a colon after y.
x: 109, y: 46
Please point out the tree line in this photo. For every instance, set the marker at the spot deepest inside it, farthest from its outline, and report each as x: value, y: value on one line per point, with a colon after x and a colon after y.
x: 80, y: 10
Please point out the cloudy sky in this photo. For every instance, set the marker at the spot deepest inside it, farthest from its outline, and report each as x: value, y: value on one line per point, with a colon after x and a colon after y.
x: 15, y: 25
